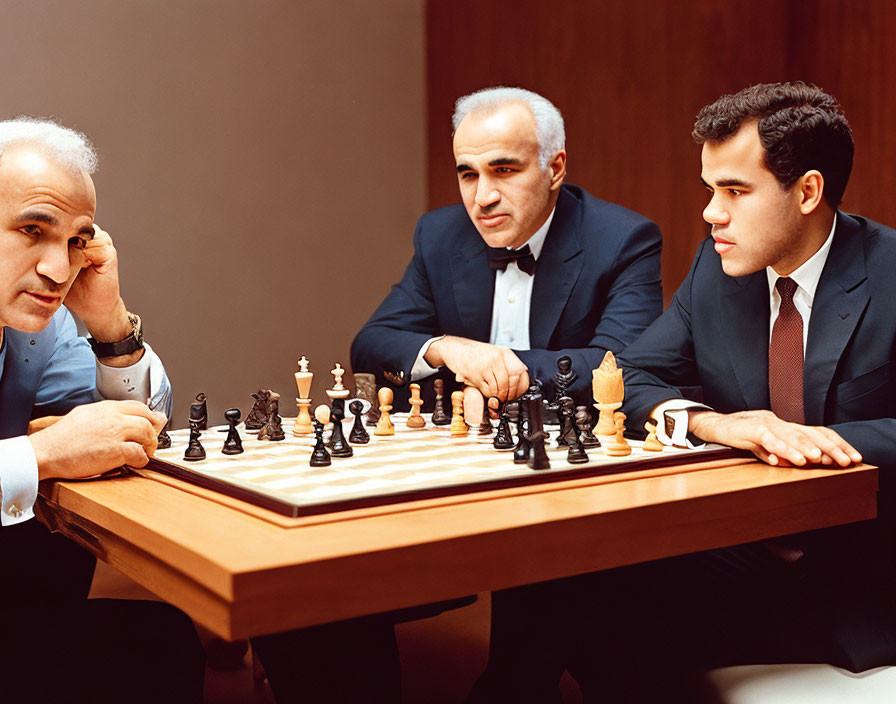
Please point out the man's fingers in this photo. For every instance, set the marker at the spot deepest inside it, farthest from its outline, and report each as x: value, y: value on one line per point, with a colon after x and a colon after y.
x: 775, y: 445
x: 136, y: 408
x: 134, y: 454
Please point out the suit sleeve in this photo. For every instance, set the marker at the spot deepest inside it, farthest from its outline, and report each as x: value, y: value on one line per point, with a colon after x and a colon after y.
x: 634, y: 300
x: 662, y: 359
x: 404, y: 321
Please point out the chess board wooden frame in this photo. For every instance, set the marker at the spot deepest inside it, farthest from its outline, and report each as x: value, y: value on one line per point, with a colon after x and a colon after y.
x: 561, y: 471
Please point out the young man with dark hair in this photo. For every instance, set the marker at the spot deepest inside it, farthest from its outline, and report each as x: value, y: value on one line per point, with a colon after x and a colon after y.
x: 785, y: 324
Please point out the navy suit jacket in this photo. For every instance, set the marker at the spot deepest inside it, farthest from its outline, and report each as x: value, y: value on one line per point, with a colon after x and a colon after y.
x: 715, y: 333
x: 597, y: 287
x: 714, y: 336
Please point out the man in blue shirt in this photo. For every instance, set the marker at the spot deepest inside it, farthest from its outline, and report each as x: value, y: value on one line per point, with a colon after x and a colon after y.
x: 55, y: 645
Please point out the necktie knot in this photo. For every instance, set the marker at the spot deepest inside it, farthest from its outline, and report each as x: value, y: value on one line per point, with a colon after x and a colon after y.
x: 786, y: 287
x: 500, y: 257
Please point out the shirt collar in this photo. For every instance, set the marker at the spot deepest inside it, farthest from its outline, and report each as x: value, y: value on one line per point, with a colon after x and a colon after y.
x: 536, y: 241
x: 808, y: 273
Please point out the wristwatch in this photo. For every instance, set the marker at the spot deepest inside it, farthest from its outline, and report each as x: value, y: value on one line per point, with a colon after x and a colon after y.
x: 128, y: 345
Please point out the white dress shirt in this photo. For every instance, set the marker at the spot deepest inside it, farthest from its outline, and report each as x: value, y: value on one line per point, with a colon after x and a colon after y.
x: 18, y: 465
x: 510, y: 306
x: 806, y: 277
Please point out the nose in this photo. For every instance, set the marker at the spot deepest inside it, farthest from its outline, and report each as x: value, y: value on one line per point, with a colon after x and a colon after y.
x: 714, y: 213
x: 55, y: 263
x: 486, y: 193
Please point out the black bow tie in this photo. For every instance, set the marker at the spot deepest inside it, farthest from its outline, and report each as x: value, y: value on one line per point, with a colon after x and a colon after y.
x: 500, y: 257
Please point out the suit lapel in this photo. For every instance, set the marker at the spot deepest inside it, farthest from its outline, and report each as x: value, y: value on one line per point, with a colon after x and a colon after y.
x: 840, y: 299
x: 744, y: 310
x: 473, y: 285
x: 558, y: 270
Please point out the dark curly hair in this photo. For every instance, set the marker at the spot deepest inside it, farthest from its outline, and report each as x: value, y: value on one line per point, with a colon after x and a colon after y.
x: 800, y: 128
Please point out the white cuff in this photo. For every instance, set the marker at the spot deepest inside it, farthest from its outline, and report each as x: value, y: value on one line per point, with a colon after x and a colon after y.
x: 676, y: 409
x: 128, y: 383
x: 18, y: 480
x: 421, y: 368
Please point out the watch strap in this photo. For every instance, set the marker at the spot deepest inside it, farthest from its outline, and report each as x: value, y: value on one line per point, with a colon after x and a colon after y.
x: 128, y: 345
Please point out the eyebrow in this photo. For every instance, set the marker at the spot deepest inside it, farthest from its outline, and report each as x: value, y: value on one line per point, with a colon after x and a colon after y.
x: 37, y: 216
x: 51, y: 220
x: 727, y: 183
x: 502, y: 161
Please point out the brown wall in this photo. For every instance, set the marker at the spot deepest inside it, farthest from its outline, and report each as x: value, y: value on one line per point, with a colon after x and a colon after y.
x: 630, y: 75
x: 261, y: 168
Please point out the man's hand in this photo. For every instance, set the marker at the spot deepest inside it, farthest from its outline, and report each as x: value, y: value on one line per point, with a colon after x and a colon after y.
x: 97, y: 437
x: 496, y: 371
x: 95, y: 296
x: 773, y: 440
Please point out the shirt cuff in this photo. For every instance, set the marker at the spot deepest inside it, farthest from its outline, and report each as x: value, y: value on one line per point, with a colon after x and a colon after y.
x: 672, y: 422
x: 421, y: 368
x: 131, y: 383
x: 18, y: 480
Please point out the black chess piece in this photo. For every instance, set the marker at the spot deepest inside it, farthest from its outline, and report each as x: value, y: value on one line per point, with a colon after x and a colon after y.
x: 164, y: 440
x: 338, y: 445
x: 439, y: 417
x: 576, y: 453
x: 532, y: 401
x: 257, y: 417
x: 365, y: 389
x: 517, y: 413
x: 233, y: 445
x: 566, y: 409
x: 358, y: 435
x: 203, y: 418
x: 585, y: 423
x: 504, y: 437
x: 273, y: 427
x: 485, y: 427
x: 195, y: 451
x: 564, y: 378
x: 319, y: 457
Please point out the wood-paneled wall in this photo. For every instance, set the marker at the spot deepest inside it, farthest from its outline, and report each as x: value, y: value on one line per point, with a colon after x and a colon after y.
x: 630, y: 75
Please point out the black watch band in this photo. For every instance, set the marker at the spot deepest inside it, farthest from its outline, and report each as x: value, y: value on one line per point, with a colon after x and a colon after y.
x: 128, y: 345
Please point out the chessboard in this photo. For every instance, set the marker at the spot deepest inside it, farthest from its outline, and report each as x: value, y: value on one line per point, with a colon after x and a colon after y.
x: 412, y: 464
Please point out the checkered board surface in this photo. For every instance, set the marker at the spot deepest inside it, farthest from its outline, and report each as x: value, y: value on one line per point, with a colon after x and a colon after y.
x: 411, y: 464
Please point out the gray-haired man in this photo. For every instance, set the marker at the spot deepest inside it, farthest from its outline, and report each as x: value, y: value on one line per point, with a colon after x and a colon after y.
x: 526, y: 271
x: 55, y: 644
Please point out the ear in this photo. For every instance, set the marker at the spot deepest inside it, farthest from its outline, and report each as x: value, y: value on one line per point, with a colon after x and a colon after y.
x: 557, y: 169
x: 811, y: 191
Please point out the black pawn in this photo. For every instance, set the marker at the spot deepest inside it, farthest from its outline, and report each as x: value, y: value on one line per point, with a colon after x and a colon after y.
x: 232, y: 445
x: 503, y: 438
x: 338, y: 445
x: 195, y: 451
x: 439, y: 417
x: 319, y: 457
x: 164, y: 439
x: 585, y: 422
x: 358, y: 435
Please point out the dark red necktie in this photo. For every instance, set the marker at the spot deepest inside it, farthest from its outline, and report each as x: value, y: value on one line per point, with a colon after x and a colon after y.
x: 785, y: 357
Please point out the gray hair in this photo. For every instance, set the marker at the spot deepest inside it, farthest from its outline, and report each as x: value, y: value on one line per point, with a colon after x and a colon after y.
x: 69, y: 148
x: 549, y: 129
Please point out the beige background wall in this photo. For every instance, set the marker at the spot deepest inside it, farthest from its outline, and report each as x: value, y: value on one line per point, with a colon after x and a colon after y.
x: 261, y: 168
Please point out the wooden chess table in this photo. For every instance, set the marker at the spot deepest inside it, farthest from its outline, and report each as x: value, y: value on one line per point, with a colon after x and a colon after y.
x: 242, y: 570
